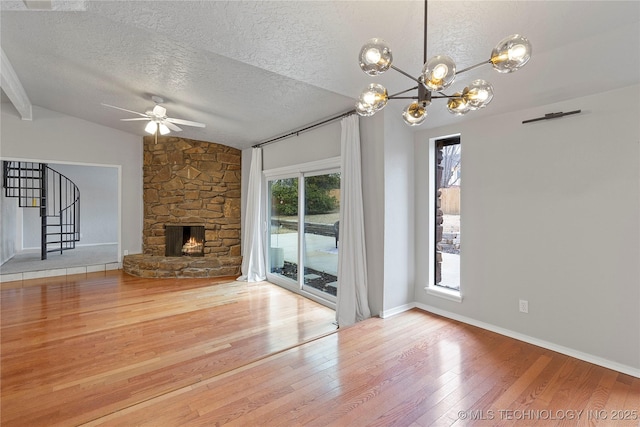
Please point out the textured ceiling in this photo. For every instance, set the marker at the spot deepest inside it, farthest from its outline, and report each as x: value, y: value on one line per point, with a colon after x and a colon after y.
x: 252, y: 70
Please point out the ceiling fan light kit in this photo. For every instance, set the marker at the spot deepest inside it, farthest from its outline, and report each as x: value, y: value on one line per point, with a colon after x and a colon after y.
x: 153, y: 127
x: 438, y: 73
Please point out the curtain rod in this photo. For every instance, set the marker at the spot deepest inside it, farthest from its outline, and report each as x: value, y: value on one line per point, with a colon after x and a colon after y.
x: 324, y: 122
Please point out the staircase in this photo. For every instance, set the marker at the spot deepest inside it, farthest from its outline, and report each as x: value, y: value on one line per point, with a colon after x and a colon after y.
x: 36, y: 185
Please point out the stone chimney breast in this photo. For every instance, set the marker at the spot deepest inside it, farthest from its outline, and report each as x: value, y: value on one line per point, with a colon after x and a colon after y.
x: 187, y: 182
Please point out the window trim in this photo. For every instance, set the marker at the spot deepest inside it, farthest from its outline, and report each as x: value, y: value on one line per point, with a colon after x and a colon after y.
x: 310, y: 167
x: 432, y: 288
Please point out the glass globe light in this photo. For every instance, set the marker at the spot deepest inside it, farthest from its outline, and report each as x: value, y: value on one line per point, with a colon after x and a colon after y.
x: 415, y: 114
x: 375, y: 57
x: 511, y: 54
x: 457, y: 105
x: 439, y: 72
x: 374, y: 97
x: 478, y: 94
x: 363, y: 111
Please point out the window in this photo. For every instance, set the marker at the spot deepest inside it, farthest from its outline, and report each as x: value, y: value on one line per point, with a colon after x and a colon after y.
x: 303, y: 213
x: 445, y: 161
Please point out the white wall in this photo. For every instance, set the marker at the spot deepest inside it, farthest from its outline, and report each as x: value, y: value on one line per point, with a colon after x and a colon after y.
x: 98, y: 187
x: 319, y: 143
x: 31, y: 228
x: 550, y: 214
x: 99, y: 202
x: 372, y: 151
x: 56, y: 138
x: 399, y: 213
x: 8, y: 224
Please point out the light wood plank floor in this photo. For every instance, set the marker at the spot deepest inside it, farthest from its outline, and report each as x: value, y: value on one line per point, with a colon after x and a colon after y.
x: 76, y: 348
x: 171, y: 369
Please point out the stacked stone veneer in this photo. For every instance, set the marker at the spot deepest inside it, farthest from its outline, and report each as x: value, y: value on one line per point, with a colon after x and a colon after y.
x: 188, y: 182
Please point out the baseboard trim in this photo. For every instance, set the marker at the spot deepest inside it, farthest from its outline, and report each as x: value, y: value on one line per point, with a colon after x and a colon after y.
x: 625, y: 369
x: 396, y: 310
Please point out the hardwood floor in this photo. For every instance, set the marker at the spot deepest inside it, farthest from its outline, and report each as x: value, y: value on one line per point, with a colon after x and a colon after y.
x: 116, y: 350
x: 79, y: 348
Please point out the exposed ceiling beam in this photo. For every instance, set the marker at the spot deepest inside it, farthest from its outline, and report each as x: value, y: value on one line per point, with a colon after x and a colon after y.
x: 12, y: 87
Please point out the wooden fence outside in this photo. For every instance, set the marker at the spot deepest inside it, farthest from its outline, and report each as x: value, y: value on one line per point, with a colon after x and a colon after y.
x: 450, y: 200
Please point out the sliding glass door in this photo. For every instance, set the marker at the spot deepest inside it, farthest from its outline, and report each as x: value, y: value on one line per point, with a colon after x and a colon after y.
x: 304, y: 211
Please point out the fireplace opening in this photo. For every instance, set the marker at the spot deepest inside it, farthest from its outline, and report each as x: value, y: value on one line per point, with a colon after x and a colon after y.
x: 184, y: 240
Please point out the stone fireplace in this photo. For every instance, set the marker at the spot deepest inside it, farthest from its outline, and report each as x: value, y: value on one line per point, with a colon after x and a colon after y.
x: 191, y: 210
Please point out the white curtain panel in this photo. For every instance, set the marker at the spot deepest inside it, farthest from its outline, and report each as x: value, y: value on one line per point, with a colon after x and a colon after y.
x: 352, y: 305
x: 254, y: 261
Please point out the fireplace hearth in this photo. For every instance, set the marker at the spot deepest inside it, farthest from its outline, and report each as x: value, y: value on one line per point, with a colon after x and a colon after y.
x: 184, y: 240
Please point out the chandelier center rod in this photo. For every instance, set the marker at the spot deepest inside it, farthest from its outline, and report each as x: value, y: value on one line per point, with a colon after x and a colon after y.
x: 424, y: 61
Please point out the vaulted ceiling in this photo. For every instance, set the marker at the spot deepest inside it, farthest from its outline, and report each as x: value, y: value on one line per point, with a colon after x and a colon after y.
x: 251, y: 70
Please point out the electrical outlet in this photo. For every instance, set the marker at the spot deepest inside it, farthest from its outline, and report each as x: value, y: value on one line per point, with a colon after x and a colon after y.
x: 126, y: 252
x: 524, y: 306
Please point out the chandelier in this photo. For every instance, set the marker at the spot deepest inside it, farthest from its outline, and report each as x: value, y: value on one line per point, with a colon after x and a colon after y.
x: 438, y: 73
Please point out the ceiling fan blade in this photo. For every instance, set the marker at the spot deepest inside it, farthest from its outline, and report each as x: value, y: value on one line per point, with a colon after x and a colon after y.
x: 134, y: 120
x: 124, y: 109
x: 185, y: 122
x: 171, y: 126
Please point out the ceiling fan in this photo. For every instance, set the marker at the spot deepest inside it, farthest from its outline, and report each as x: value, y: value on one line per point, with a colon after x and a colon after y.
x: 157, y: 117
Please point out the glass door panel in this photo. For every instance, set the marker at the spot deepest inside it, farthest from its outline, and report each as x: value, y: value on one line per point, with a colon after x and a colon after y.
x: 283, y: 235
x: 321, y: 215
